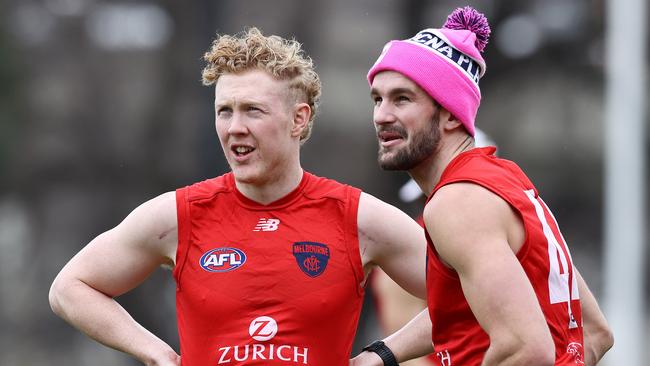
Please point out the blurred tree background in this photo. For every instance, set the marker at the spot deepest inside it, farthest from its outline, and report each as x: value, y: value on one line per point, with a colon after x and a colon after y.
x: 102, y: 108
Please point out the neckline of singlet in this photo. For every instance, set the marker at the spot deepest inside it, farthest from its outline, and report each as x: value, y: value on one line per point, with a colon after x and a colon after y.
x: 487, y: 150
x: 279, y: 203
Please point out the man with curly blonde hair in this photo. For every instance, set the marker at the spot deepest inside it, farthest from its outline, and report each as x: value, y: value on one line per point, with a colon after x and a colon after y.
x: 269, y: 260
x: 281, y: 58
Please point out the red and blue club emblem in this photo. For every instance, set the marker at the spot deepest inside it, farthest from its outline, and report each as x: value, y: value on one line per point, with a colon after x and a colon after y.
x: 311, y: 257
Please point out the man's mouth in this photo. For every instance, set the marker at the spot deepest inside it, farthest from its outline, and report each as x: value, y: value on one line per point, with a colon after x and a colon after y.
x: 389, y: 137
x: 241, y: 150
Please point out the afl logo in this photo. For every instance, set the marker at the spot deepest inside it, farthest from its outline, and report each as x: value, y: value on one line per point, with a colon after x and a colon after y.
x: 222, y: 259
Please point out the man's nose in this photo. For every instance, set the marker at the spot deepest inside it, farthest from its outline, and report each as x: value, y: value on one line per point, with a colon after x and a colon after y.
x: 383, y: 114
x: 237, y: 124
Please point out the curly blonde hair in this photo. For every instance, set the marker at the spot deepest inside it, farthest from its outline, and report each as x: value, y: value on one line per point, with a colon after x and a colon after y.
x: 282, y: 58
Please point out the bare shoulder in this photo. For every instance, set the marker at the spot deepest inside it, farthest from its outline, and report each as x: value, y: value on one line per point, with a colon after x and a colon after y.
x: 376, y: 217
x: 153, y: 225
x: 371, y: 207
x: 392, y: 240
x: 463, y: 216
x: 161, y: 209
x: 467, y: 198
x: 383, y: 228
x: 122, y: 257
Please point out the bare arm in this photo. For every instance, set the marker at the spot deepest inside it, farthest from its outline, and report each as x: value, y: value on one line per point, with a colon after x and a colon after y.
x: 398, y: 307
x: 598, y: 337
x: 394, y: 241
x: 477, y: 234
x: 112, y: 264
x: 412, y: 341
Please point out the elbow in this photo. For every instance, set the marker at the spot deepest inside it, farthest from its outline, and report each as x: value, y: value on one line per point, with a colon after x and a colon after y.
x: 538, y: 352
x: 539, y: 349
x: 598, y: 338
x: 57, y: 295
x: 539, y: 355
x: 606, y: 340
x: 535, y: 351
x: 609, y: 342
x: 54, y: 297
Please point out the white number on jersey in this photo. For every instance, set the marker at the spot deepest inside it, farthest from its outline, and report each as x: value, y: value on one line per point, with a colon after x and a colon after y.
x: 561, y: 264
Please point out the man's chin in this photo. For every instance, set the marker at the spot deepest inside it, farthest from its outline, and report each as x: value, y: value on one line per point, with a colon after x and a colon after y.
x: 243, y: 174
x: 395, y: 162
x: 389, y: 164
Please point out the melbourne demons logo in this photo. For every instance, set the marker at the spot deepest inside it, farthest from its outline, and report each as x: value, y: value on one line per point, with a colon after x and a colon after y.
x: 311, y: 257
x: 222, y: 259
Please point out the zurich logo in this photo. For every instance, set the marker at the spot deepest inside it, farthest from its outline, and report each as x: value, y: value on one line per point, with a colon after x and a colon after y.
x: 222, y: 259
x: 263, y: 328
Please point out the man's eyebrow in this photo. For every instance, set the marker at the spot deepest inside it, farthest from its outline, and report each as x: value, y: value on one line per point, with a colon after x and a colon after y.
x: 240, y: 102
x: 222, y: 101
x: 395, y: 91
x: 401, y: 91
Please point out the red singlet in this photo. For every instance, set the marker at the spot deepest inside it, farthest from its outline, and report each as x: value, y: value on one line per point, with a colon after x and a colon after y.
x: 276, y: 284
x: 457, y: 336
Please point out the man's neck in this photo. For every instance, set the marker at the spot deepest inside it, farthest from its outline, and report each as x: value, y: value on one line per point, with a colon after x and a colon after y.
x: 274, y: 187
x: 428, y: 173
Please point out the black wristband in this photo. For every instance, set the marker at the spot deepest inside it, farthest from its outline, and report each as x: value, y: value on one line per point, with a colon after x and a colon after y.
x: 382, y: 351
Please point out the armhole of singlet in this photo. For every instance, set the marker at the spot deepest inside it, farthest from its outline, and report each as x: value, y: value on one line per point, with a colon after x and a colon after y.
x: 183, y: 222
x: 352, y: 236
x: 438, y: 264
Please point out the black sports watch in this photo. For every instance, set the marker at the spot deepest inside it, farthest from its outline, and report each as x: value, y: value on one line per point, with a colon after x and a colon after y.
x: 382, y: 351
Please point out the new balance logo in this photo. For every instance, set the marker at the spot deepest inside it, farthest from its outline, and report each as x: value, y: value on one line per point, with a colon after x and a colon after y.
x: 267, y: 225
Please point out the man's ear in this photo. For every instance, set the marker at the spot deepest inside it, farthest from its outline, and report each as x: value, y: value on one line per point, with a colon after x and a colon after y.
x: 448, y: 121
x: 301, y: 116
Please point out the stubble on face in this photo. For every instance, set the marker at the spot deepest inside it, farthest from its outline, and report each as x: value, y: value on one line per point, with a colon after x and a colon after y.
x: 424, y: 143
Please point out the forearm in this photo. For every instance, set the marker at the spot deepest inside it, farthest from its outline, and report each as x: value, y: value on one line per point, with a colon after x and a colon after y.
x: 105, y: 320
x: 411, y: 341
x: 598, y: 337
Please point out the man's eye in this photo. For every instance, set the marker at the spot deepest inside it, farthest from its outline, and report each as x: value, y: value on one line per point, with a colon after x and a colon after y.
x: 376, y: 100
x: 403, y: 98
x: 223, y: 111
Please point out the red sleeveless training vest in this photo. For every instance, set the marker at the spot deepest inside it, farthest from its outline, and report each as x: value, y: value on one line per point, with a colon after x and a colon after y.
x: 276, y: 284
x: 457, y: 336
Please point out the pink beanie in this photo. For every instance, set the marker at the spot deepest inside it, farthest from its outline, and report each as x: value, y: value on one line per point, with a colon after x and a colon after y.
x: 445, y: 62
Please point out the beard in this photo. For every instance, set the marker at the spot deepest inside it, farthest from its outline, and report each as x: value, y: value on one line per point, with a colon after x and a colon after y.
x: 424, y: 144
